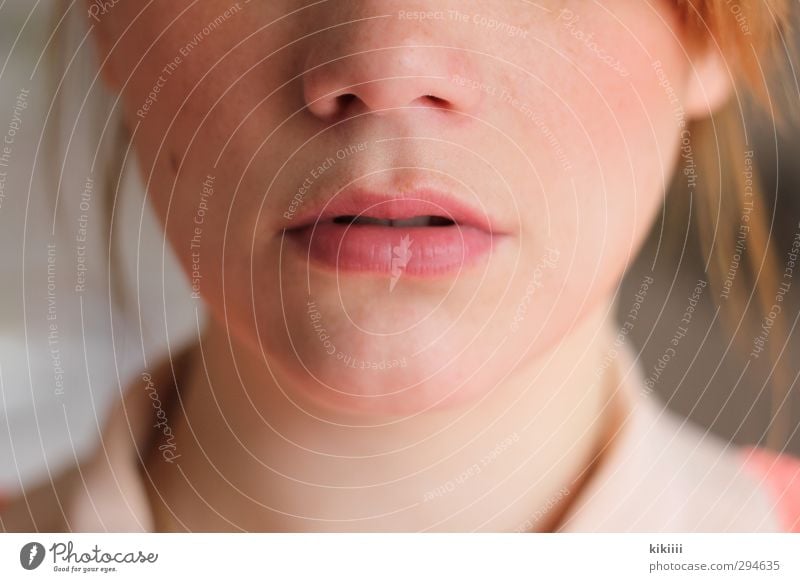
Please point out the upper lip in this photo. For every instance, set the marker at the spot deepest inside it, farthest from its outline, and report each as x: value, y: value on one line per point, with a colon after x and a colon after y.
x: 386, y: 205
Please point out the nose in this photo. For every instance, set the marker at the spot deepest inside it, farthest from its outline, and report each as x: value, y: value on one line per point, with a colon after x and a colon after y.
x: 392, y: 76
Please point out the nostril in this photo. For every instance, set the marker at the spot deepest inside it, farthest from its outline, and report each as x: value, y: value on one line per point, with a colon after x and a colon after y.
x: 436, y: 100
x: 336, y: 107
x: 356, y: 74
x: 346, y: 100
x: 433, y: 102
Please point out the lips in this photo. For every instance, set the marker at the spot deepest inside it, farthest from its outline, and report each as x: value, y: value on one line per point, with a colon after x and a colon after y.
x: 420, y: 234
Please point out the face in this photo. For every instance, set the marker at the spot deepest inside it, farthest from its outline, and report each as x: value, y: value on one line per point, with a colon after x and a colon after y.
x: 396, y: 203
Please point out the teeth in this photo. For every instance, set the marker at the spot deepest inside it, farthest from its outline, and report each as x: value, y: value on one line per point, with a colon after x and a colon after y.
x: 362, y: 220
x: 371, y: 220
x: 414, y: 222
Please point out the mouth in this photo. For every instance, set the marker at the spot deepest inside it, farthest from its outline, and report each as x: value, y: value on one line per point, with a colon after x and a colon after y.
x: 424, y: 235
x: 413, y: 222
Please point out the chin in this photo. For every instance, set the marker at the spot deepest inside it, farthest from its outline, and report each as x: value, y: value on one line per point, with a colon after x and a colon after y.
x: 386, y: 393
x: 425, y: 368
x: 356, y: 343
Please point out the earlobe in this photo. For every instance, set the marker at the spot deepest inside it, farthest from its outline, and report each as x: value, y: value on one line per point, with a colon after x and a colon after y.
x: 709, y: 83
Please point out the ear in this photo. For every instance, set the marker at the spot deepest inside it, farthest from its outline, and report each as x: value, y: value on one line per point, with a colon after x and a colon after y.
x: 709, y: 83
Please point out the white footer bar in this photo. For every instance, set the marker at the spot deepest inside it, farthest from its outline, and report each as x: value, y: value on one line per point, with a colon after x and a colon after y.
x: 389, y: 557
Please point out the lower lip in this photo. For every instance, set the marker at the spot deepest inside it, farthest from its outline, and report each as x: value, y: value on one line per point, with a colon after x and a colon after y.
x: 415, y: 251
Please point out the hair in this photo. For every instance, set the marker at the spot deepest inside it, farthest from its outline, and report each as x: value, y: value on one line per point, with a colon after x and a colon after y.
x: 752, y: 34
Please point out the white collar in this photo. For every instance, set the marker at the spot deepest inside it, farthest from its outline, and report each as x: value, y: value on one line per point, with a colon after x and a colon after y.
x: 662, y: 474
x: 665, y: 474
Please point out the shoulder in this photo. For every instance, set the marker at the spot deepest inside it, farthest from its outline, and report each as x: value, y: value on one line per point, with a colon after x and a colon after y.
x: 105, y: 492
x: 665, y: 474
x: 114, y: 496
x: 718, y: 491
x: 779, y: 475
x: 716, y: 486
x: 41, y: 508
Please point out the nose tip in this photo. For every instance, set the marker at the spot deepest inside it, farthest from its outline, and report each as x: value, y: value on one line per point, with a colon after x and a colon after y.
x: 382, y: 80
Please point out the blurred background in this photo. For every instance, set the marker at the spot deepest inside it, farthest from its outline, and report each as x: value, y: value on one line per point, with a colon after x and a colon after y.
x: 66, y: 350
x: 59, y: 373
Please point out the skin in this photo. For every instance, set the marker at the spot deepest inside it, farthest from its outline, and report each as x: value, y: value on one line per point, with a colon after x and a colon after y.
x: 278, y: 433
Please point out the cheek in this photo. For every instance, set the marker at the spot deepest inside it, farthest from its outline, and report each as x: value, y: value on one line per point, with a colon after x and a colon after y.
x: 189, y: 120
x: 609, y: 149
x: 623, y: 129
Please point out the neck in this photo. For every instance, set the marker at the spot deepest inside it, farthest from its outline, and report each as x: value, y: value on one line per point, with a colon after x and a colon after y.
x: 253, y: 459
